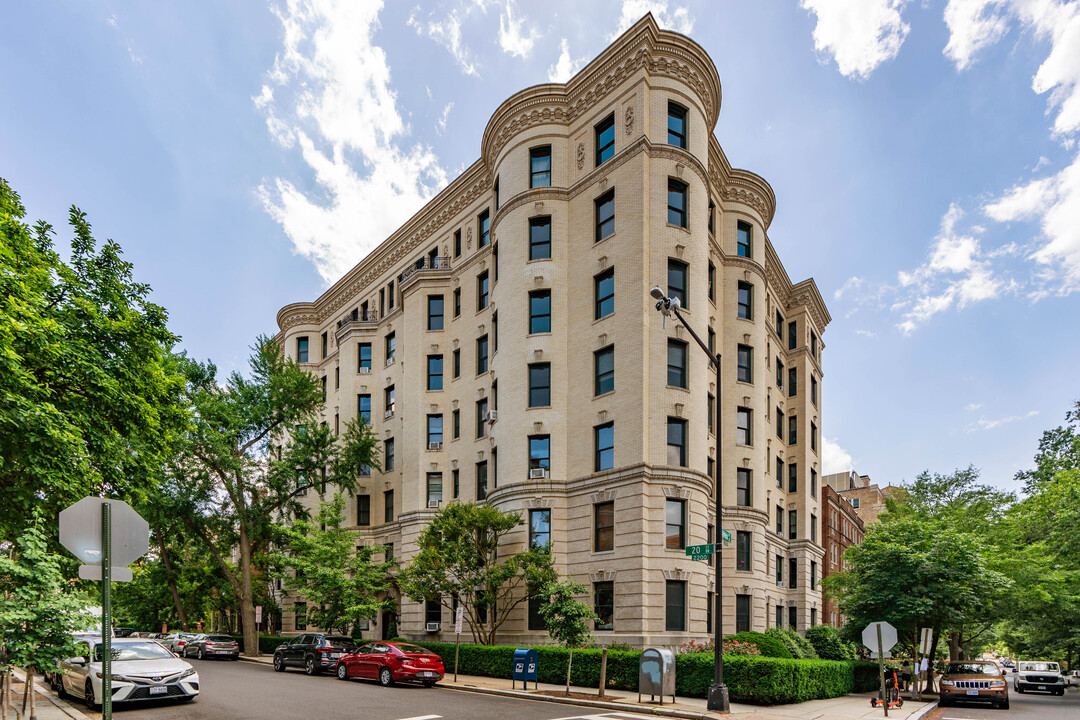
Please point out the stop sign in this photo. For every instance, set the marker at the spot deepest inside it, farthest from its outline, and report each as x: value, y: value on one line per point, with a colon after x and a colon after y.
x: 80, y: 531
x: 870, y: 637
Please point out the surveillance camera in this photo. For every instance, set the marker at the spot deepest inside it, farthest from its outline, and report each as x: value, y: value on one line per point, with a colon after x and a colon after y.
x: 675, y: 304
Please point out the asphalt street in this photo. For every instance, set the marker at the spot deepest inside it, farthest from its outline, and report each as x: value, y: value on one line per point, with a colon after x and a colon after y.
x: 1029, y: 706
x: 251, y: 691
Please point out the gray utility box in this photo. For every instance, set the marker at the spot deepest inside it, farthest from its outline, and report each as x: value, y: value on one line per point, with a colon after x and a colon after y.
x: 656, y: 674
x: 525, y: 667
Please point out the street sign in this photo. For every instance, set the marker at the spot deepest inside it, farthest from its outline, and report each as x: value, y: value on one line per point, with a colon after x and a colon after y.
x: 726, y: 535
x: 700, y: 552
x: 80, y: 532
x: 926, y: 639
x: 93, y: 572
x: 258, y: 614
x: 458, y: 618
x: 870, y: 637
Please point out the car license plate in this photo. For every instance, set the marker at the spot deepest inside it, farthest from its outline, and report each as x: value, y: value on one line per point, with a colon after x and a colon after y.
x: 972, y: 692
x: 335, y: 656
x: 427, y: 674
x: 1042, y: 687
x: 162, y: 690
x: 223, y: 652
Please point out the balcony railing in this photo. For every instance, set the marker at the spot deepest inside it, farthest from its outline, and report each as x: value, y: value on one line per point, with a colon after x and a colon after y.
x: 357, y: 317
x: 425, y: 263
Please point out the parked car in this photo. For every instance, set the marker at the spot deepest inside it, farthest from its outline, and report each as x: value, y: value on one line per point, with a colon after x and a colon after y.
x: 177, y: 641
x: 141, y: 670
x: 390, y: 663
x: 204, y: 646
x: 974, y: 681
x: 314, y: 652
x: 1038, y: 676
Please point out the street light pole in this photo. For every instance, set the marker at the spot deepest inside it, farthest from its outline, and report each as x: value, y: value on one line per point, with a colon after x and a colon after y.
x: 718, y: 693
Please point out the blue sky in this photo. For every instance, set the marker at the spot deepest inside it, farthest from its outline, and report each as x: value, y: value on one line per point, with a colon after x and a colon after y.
x: 924, y: 158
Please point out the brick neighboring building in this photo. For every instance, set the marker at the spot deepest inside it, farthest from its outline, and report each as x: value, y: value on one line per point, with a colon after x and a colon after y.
x: 841, y: 527
x: 867, y: 498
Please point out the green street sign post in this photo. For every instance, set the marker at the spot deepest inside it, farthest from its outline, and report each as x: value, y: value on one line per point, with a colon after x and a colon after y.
x: 726, y: 535
x: 700, y: 552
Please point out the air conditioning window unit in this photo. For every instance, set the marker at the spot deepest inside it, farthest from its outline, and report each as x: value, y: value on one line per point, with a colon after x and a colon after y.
x: 434, y: 504
x: 389, y: 413
x: 366, y: 370
x: 432, y: 627
x: 492, y: 416
x: 779, y: 583
x: 434, y: 446
x: 538, y: 473
x: 390, y: 360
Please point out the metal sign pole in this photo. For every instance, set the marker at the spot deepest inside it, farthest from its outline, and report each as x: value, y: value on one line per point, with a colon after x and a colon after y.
x: 106, y: 612
x: 881, y: 671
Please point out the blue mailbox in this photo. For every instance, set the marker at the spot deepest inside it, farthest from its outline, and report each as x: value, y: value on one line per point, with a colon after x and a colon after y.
x: 524, y: 667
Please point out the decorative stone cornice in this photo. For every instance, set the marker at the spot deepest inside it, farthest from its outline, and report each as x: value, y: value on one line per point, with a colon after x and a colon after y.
x: 602, y: 575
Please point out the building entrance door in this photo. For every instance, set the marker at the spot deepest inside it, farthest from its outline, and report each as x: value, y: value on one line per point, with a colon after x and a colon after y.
x: 389, y: 623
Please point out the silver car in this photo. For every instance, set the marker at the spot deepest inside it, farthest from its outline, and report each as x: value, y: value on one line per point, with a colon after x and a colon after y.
x: 176, y: 641
x: 1038, y: 676
x: 141, y: 670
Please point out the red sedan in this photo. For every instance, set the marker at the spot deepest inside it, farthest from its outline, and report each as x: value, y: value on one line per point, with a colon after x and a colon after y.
x: 390, y: 663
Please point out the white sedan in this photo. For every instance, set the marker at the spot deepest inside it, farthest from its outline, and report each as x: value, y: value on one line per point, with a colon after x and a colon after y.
x: 141, y: 670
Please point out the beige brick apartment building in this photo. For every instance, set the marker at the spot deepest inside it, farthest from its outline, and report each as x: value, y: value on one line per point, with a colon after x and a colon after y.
x: 505, y: 347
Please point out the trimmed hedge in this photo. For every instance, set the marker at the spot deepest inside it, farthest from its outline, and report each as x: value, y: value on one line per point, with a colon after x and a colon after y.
x: 756, y: 680
x: 826, y: 641
x: 799, y: 647
x: 267, y: 643
x: 866, y: 676
x: 768, y: 645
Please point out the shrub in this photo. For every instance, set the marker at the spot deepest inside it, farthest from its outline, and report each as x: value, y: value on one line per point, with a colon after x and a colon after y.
x: 731, y: 647
x: 267, y: 643
x: 866, y: 676
x: 796, y: 644
x: 767, y: 645
x: 826, y: 641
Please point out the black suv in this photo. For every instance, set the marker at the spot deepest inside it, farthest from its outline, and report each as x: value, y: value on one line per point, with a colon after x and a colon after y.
x: 314, y: 652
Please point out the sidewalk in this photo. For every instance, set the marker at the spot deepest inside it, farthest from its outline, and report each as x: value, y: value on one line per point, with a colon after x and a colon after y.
x: 49, y: 707
x: 849, y: 707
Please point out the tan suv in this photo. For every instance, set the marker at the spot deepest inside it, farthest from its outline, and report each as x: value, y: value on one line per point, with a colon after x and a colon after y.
x: 974, y: 681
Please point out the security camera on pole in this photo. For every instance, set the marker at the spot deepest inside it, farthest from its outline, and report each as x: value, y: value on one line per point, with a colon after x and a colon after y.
x: 106, y: 535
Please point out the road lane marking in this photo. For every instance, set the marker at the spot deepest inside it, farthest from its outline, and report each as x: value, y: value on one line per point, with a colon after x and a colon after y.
x: 424, y: 717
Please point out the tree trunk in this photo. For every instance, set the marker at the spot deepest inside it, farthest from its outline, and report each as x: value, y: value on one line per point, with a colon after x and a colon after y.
x: 954, y: 646
x: 568, y: 666
x: 30, y: 694
x: 930, y: 686
x: 171, y: 575
x: 603, y: 671
x: 4, y: 675
x: 247, y: 604
x: 28, y: 684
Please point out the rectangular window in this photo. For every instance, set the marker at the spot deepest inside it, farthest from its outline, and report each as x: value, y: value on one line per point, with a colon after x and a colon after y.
x: 434, y: 429
x: 742, y: 486
x: 301, y: 350
x: 678, y: 281
x: 481, y: 417
x: 434, y: 485
x: 813, y: 483
x: 746, y: 300
x: 483, y: 228
x: 675, y: 606
x: 813, y: 617
x: 793, y: 618
x: 605, y: 215
x: 742, y: 550
x: 388, y: 455
x: 779, y: 616
x: 540, y: 167
x: 456, y: 422
x: 813, y: 579
x: 382, y: 302
x: 390, y: 294
x: 605, y: 293
x: 779, y: 374
x: 744, y: 239
x: 604, y: 605
x: 710, y: 468
x: 604, y: 444
x: 743, y: 435
x: 779, y: 472
x: 457, y: 243
x: 481, y: 354
x: 540, y: 385
x: 793, y: 573
x: 605, y: 139
x: 676, y: 125
x: 603, y: 526
x: 742, y: 613
x: 481, y: 480
x: 540, y: 311
x: 300, y: 611
x: 325, y: 345
x: 779, y: 325
x: 793, y: 525
x: 539, y: 453
x: 813, y: 344
x: 457, y: 302
x: 676, y: 363
x: 363, y: 407
x: 364, y: 354
x: 435, y: 312
x: 813, y: 390
x: 792, y: 336
x: 676, y: 442
x: 793, y: 477
x: 540, y: 529
x: 388, y: 506
x: 792, y: 382
x: 779, y: 569
x: 363, y: 510
x: 779, y: 423
x: 540, y: 238
x: 390, y: 347
x: 745, y: 364
x: 536, y: 620
x: 813, y: 530
x: 710, y: 412
x: 712, y: 342
x: 675, y: 524
x: 712, y: 286
x: 793, y: 430
x: 604, y: 370
x: 432, y: 611
x: 388, y: 401
x: 482, y: 297
x: 676, y: 202
x: 813, y: 436
x: 457, y: 363
x: 434, y: 372
x: 457, y: 482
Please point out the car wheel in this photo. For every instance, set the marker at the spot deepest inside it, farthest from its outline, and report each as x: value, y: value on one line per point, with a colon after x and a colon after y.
x: 279, y: 663
x: 88, y: 697
x: 59, y: 687
x: 1019, y: 689
x: 386, y: 678
x: 342, y: 672
x: 1004, y: 704
x: 429, y: 683
x: 202, y: 654
x: 310, y: 667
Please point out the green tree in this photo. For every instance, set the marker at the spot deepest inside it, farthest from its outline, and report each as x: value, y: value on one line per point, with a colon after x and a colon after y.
x: 88, y: 398
x: 567, y: 619
x: 458, y: 561
x: 340, y: 578
x: 254, y: 449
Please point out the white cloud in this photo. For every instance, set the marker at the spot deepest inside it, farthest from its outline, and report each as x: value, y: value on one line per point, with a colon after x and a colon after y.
x: 852, y: 283
x: 440, y: 125
x: 333, y: 100
x: 834, y: 458
x: 985, y: 424
x: 446, y: 32
x: 858, y: 34
x: 565, y: 67
x: 511, y: 38
x: 973, y: 25
x: 866, y: 333
x: 973, y: 406
x: 677, y: 19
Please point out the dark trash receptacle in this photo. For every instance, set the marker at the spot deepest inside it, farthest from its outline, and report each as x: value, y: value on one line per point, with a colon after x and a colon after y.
x: 525, y: 667
x: 656, y: 674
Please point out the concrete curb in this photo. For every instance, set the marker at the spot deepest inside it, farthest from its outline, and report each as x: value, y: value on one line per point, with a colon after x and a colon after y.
x: 924, y: 712
x: 622, y: 707
x: 45, y: 692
